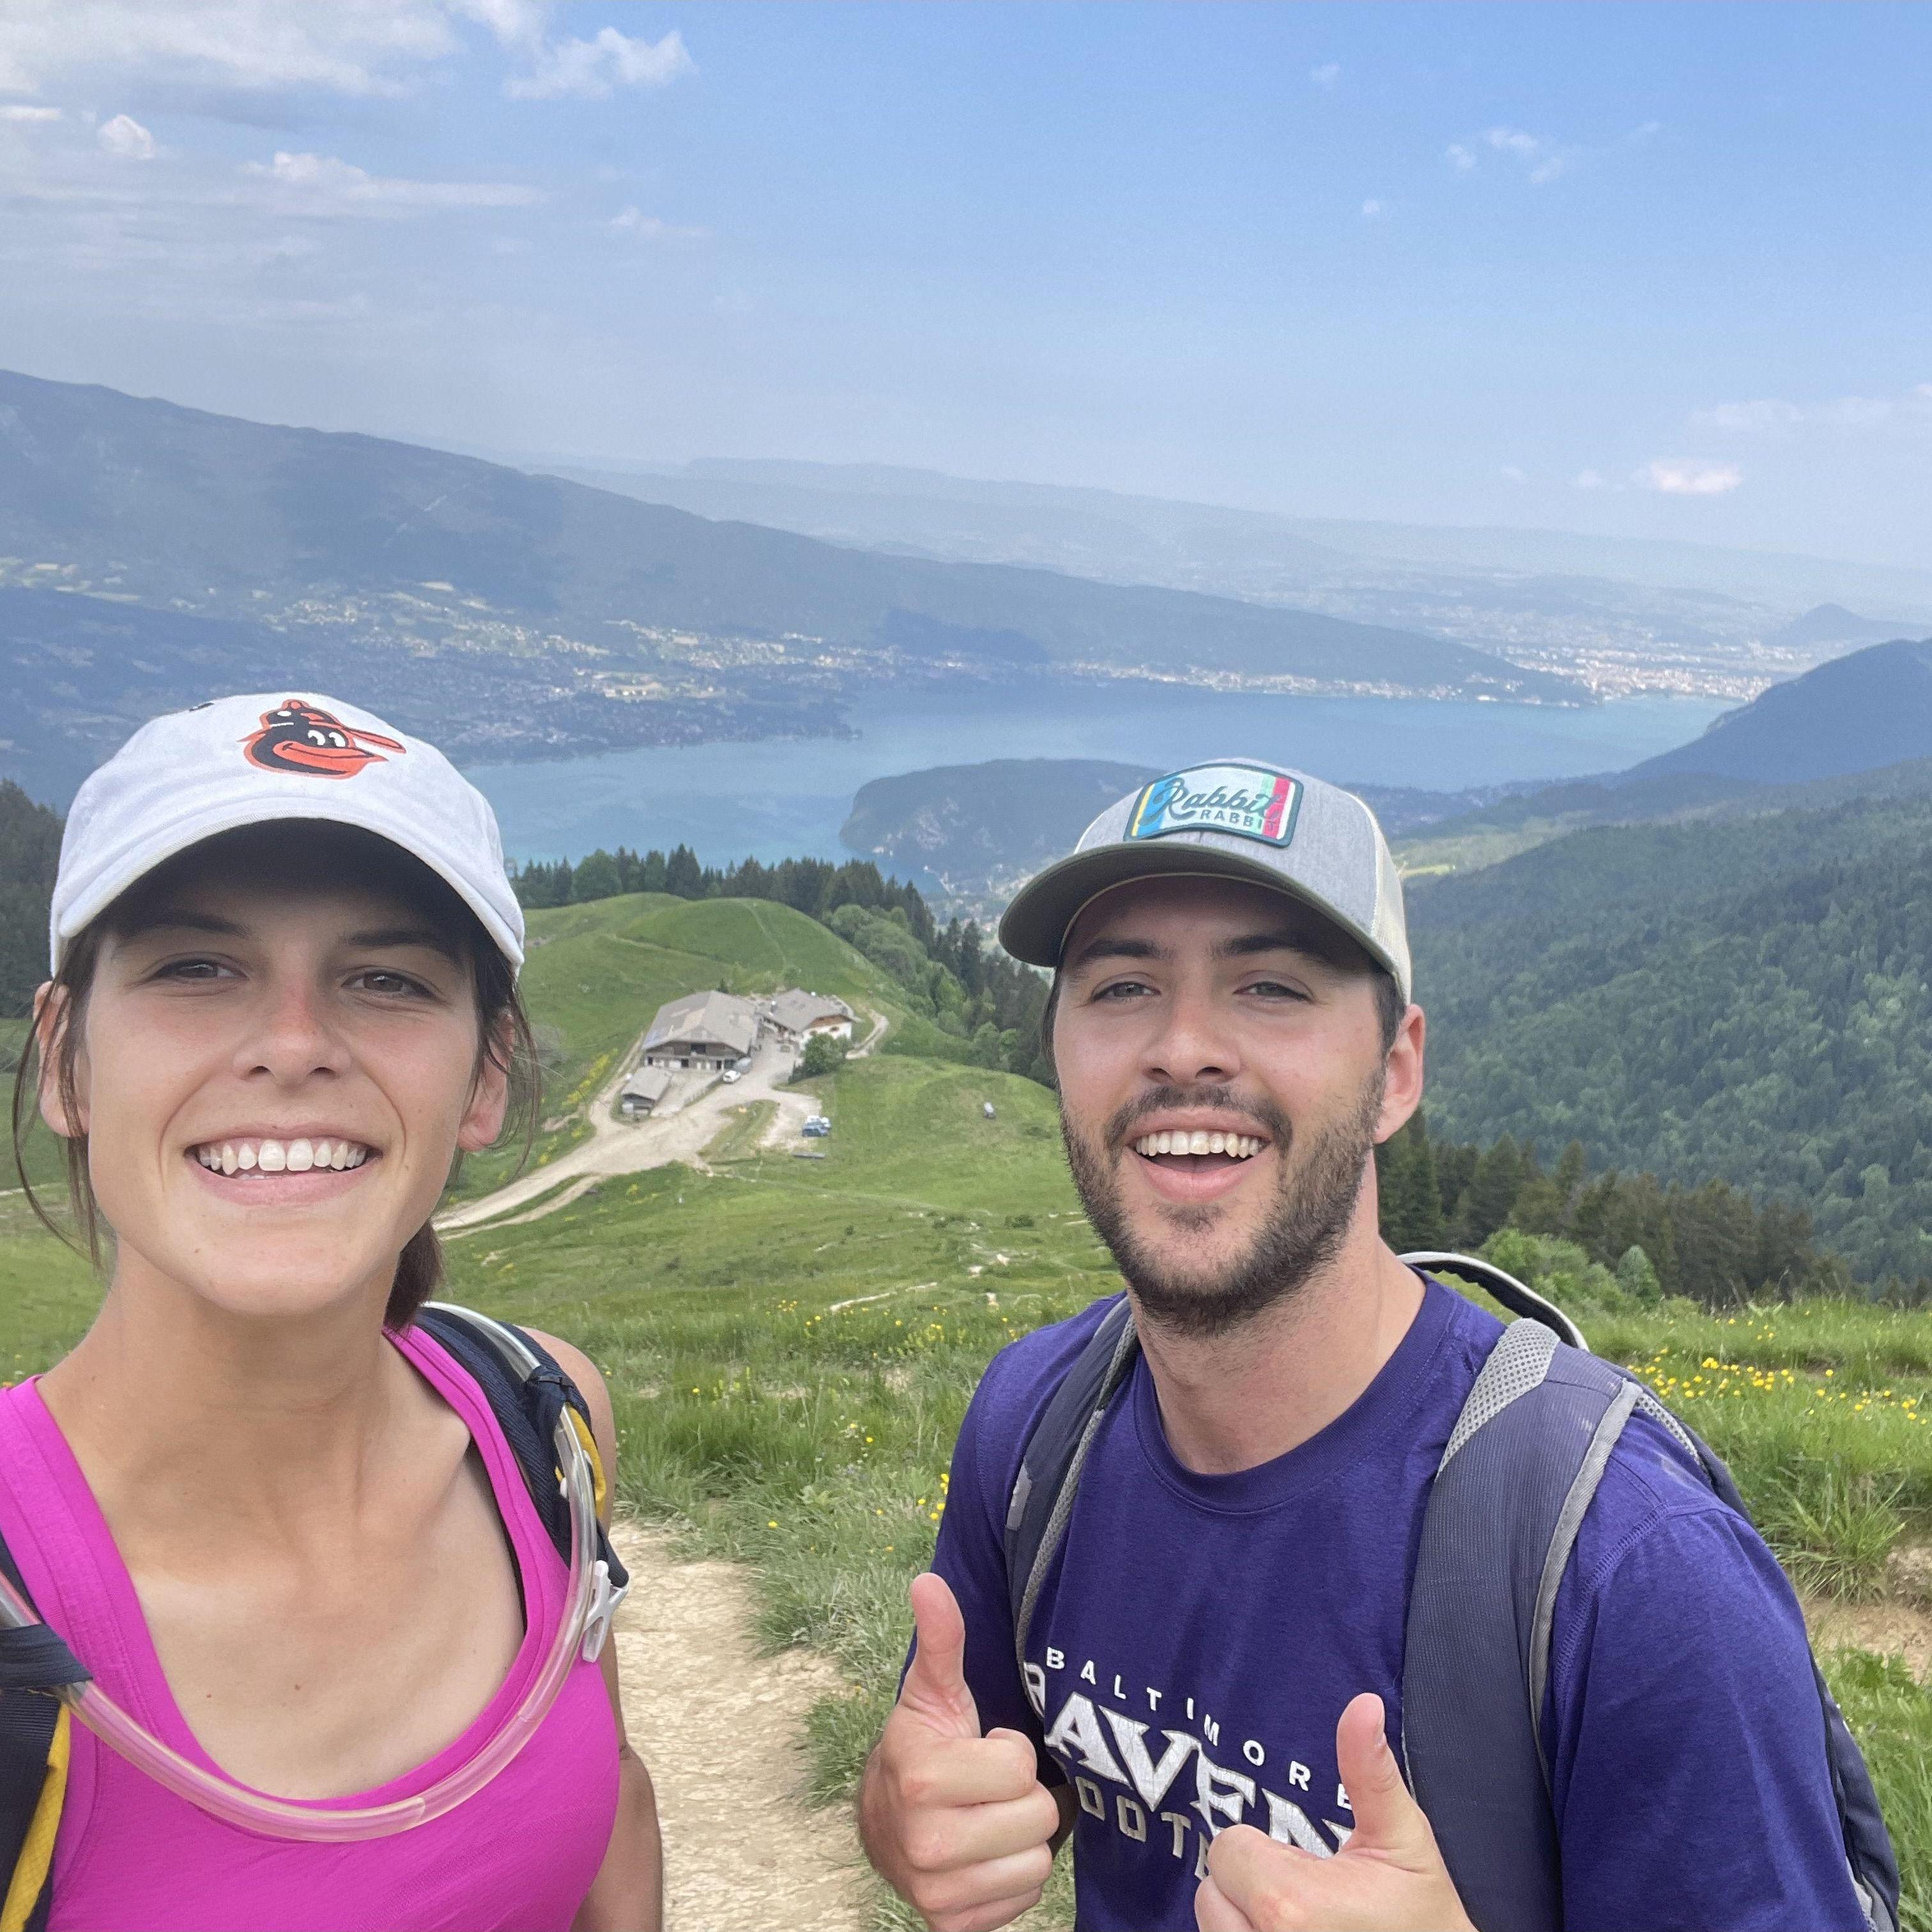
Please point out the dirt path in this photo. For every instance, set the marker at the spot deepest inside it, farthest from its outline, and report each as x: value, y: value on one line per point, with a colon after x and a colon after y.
x: 689, y: 1118
x: 721, y: 1728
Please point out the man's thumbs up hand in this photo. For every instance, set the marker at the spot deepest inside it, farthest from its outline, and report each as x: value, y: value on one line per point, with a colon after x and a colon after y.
x: 1389, y: 1877
x: 935, y: 1690
x: 957, y: 1823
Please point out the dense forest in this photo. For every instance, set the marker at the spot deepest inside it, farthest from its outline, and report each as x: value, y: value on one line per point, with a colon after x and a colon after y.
x: 30, y: 836
x: 1747, y: 1000
x: 971, y: 992
x: 1711, y: 1242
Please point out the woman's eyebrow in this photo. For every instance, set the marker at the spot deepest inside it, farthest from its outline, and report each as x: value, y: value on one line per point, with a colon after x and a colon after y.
x: 174, y: 918
x: 382, y: 938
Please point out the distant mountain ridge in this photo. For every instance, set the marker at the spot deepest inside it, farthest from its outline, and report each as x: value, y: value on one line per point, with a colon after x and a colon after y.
x: 883, y: 505
x: 1855, y: 713
x: 378, y: 549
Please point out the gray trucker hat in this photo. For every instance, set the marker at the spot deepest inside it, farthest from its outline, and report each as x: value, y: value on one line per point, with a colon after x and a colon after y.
x: 1236, y: 819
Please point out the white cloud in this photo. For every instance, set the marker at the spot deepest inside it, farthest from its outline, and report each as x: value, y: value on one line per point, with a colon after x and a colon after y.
x: 1514, y: 473
x: 359, y: 48
x: 1372, y: 208
x: 649, y: 228
x: 1592, y: 479
x: 345, y: 46
x: 593, y: 69
x: 322, y: 183
x: 1686, y: 476
x: 1326, y: 75
x: 126, y: 139
x: 19, y: 113
x: 1544, y: 159
x: 1772, y: 416
x: 1749, y: 419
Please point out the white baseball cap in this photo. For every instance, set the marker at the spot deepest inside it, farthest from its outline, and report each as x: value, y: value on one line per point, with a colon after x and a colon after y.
x: 1238, y: 819
x: 237, y: 761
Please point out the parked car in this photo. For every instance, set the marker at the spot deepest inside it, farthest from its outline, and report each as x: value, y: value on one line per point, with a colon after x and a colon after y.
x: 730, y: 1074
x: 817, y: 1126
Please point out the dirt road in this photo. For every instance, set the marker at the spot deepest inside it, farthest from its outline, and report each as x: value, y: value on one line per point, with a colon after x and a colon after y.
x: 688, y: 1118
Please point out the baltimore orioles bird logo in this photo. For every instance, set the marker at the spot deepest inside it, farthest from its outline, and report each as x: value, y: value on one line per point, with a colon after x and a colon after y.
x: 299, y: 737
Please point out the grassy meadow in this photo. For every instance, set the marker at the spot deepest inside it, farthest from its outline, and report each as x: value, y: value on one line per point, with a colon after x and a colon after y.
x: 790, y: 1343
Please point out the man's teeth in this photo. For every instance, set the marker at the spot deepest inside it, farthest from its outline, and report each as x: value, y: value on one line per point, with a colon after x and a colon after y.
x: 297, y: 1157
x: 1242, y: 1147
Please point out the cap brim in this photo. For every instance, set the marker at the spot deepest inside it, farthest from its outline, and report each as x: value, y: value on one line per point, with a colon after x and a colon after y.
x: 160, y: 845
x: 1033, y: 927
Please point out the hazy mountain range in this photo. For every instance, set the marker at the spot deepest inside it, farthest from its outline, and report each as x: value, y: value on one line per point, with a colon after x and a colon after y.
x: 543, y: 616
x: 1624, y: 615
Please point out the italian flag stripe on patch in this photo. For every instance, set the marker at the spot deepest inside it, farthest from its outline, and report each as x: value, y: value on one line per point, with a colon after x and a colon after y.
x: 1284, y: 790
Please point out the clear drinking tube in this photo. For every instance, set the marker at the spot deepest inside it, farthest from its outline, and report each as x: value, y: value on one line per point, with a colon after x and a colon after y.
x: 584, y: 1619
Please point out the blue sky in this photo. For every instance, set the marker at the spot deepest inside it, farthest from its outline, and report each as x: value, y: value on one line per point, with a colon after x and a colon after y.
x: 1659, y: 270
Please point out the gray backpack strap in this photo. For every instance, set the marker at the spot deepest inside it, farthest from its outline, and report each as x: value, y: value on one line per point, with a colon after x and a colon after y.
x: 1050, y: 1462
x: 1521, y: 1467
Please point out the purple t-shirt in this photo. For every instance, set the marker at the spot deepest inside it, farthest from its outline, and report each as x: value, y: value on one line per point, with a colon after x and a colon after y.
x: 1198, y: 1637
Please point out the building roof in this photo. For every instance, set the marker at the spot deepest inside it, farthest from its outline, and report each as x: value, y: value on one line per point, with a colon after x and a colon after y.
x: 794, y: 1010
x: 722, y: 1019
x: 648, y: 1083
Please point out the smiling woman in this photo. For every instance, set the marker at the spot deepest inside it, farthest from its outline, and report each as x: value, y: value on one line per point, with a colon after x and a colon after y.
x: 274, y: 1509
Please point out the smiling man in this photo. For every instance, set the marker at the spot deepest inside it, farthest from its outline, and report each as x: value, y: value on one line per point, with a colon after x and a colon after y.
x: 1210, y: 1680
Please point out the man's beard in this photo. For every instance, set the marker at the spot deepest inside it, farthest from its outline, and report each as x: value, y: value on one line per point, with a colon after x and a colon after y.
x: 1314, y: 1202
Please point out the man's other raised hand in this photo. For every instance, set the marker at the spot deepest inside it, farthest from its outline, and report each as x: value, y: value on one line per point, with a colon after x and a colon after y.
x: 1389, y: 1877
x: 959, y: 1824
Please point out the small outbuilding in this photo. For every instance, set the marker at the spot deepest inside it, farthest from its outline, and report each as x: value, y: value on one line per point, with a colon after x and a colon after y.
x: 708, y: 1030
x: 641, y: 1093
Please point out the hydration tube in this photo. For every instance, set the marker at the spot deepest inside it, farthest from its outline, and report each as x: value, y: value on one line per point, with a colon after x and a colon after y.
x: 580, y: 1633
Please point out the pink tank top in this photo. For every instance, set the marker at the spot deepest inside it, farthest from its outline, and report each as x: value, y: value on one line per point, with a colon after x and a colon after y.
x: 132, y: 1857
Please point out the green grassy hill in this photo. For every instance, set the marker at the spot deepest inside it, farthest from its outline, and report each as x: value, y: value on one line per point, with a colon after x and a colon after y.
x: 596, y: 972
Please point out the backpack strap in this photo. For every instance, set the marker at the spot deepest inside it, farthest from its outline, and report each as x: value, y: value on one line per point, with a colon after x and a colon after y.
x: 1056, y: 1450
x: 35, y: 1734
x: 527, y: 1392
x: 1521, y: 1465
x: 1052, y: 1460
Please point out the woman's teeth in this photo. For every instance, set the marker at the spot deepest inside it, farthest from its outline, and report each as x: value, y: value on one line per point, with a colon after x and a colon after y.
x: 279, y: 1157
x: 1240, y: 1147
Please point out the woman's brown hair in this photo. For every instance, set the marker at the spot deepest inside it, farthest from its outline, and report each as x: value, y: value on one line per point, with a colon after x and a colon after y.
x: 338, y: 852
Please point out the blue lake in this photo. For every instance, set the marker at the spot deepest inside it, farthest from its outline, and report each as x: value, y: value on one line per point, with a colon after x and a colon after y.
x: 783, y: 797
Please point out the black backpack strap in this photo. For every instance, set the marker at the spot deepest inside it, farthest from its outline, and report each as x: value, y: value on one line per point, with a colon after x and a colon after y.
x: 1519, y: 1298
x: 1052, y: 1460
x: 1521, y: 1467
x: 35, y: 1732
x: 527, y: 1392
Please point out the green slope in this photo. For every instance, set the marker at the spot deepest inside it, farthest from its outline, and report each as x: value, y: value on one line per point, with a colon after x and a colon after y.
x: 1746, y: 1000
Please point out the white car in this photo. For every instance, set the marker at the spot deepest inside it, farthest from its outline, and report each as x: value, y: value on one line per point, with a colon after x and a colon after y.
x: 730, y: 1074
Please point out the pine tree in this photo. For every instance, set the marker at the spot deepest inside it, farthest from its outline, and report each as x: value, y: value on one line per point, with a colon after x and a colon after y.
x: 683, y: 875
x: 1491, y: 1194
x: 1411, y: 1208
